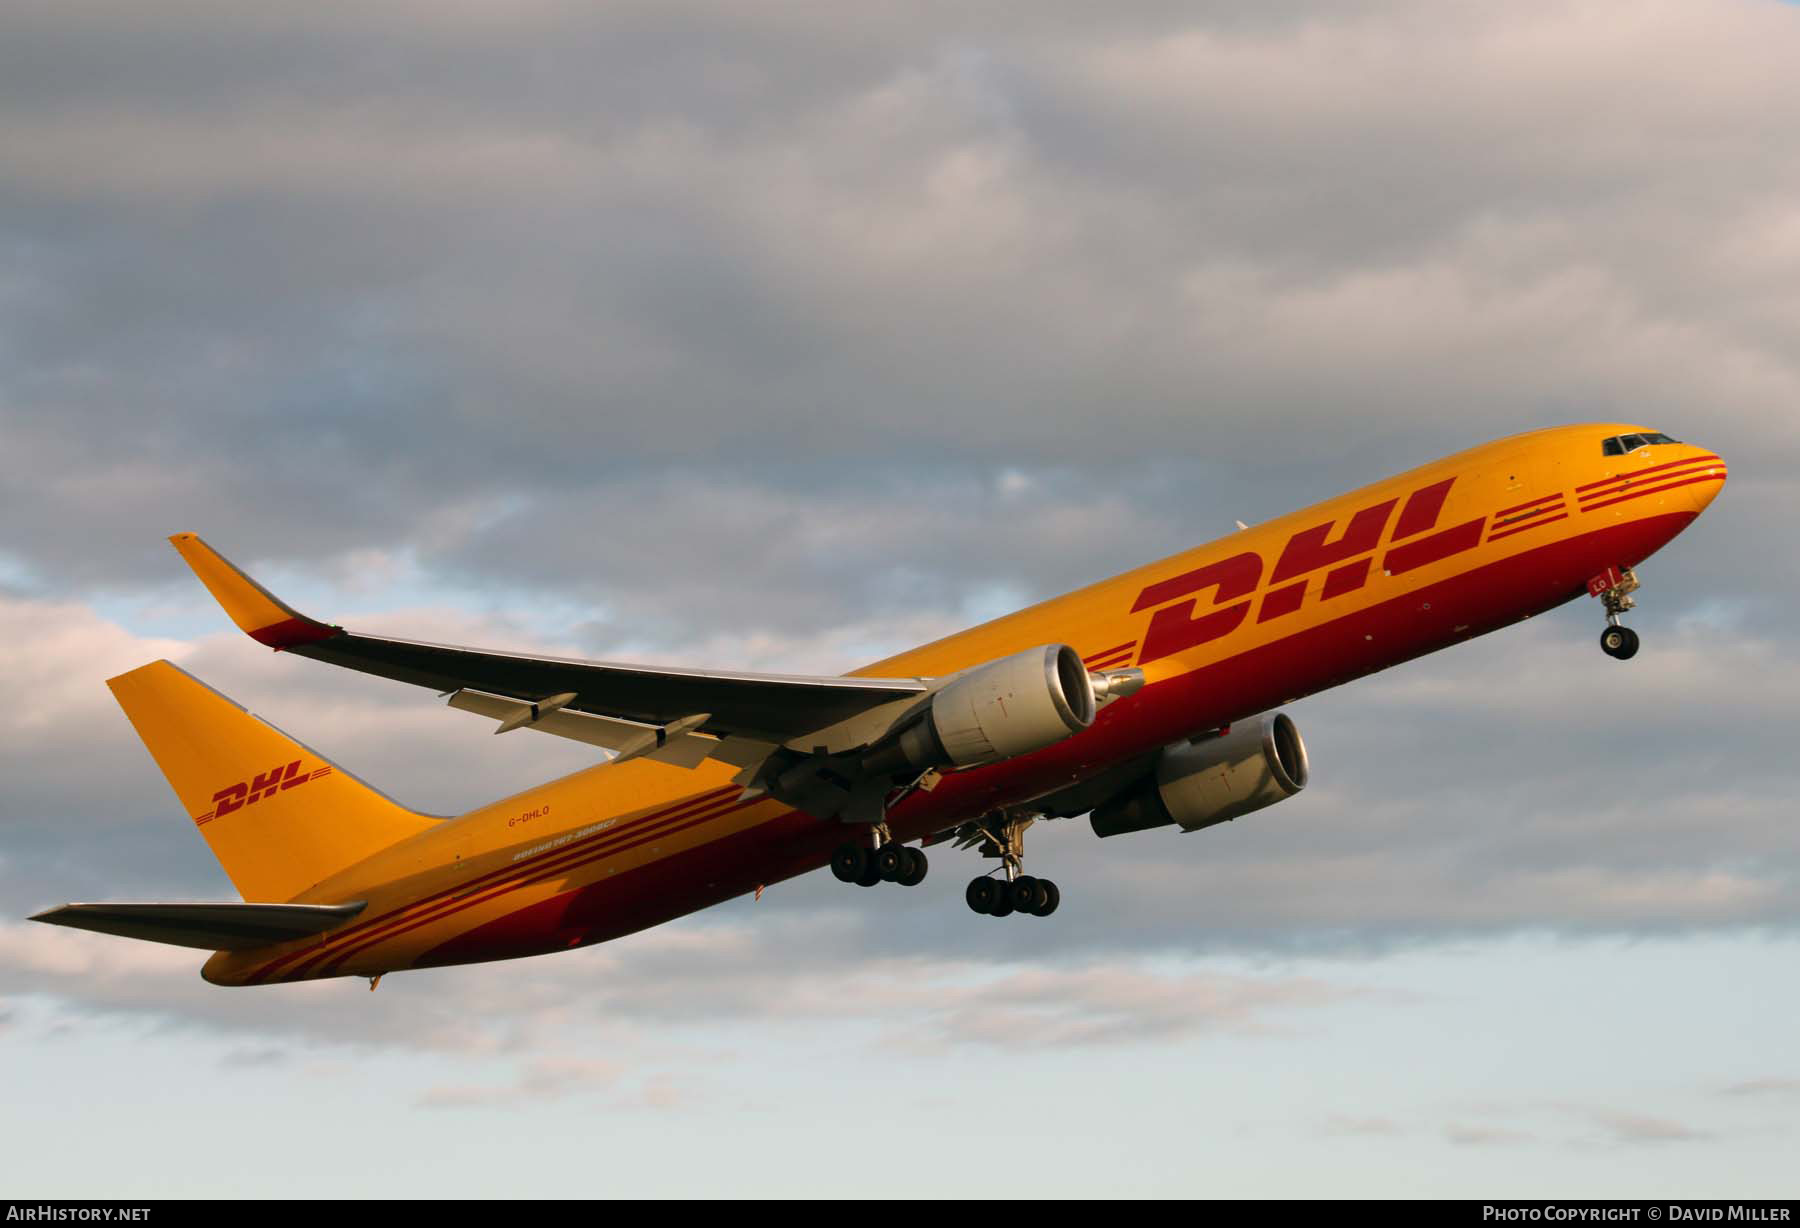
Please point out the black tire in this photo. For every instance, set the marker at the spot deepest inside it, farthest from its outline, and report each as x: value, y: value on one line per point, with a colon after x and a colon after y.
x: 1052, y: 897
x: 1620, y: 643
x: 890, y: 862
x: 1026, y: 894
x: 917, y: 865
x: 982, y: 894
x: 849, y: 862
x: 871, y: 874
x: 1003, y: 905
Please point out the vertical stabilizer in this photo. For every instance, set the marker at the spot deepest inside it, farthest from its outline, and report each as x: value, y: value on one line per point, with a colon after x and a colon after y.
x: 278, y: 816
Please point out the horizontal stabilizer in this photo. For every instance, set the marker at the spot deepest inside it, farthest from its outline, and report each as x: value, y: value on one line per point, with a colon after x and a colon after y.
x: 211, y: 927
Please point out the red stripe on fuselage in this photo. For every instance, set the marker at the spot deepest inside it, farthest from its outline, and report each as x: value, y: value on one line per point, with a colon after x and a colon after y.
x: 540, y: 874
x: 1504, y: 512
x: 331, y: 962
x: 1535, y: 524
x: 1617, y: 488
x: 733, y: 864
x: 521, y: 874
x: 1618, y: 478
x: 1653, y: 490
x: 381, y: 925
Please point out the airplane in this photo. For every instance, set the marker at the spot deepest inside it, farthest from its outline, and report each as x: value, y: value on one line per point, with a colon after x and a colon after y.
x: 1147, y: 701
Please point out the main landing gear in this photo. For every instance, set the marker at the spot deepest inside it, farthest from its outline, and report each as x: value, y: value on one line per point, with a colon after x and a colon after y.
x: 1037, y: 897
x: 1614, y: 588
x: 887, y: 862
x: 999, y: 835
x: 1003, y: 837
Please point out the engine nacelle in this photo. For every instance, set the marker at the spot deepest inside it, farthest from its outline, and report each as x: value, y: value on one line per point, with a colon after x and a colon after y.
x: 1008, y: 707
x: 1261, y: 761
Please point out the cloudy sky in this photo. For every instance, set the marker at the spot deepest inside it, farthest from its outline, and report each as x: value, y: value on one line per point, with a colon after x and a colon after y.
x: 788, y: 335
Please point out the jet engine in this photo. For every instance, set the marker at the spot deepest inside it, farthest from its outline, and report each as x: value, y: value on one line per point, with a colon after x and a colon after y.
x: 1255, y: 763
x: 1008, y: 707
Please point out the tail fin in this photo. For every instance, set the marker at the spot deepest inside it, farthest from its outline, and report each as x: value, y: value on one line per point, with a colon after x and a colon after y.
x: 278, y: 816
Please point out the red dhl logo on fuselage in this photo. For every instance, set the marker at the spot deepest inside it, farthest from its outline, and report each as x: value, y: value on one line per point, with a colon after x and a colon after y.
x: 1344, y: 558
x: 264, y: 784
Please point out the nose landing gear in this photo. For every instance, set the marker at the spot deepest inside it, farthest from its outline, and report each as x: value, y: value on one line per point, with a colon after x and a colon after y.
x: 1619, y: 642
x: 1614, y: 588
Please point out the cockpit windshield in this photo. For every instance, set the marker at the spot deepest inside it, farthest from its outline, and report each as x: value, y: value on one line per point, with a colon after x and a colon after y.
x: 1621, y: 445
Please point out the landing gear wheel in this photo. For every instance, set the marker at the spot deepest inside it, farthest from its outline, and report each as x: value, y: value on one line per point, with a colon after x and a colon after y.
x: 982, y: 894
x: 1026, y: 894
x: 1000, y: 835
x: 850, y: 862
x: 871, y: 873
x: 890, y: 862
x: 916, y: 867
x: 1620, y: 643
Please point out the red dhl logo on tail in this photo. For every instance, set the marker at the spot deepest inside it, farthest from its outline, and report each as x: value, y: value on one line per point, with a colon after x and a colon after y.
x: 1344, y: 558
x: 264, y: 784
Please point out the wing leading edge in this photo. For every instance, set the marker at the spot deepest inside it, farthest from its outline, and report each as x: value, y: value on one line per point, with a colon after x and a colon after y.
x: 762, y: 708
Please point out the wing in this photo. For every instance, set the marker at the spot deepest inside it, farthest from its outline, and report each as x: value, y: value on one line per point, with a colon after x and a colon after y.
x: 211, y: 927
x: 623, y: 707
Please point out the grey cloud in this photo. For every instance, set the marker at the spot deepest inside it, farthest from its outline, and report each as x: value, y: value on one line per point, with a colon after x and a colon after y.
x: 1363, y: 1127
x: 1771, y: 1086
x: 638, y: 996
x: 1628, y: 1127
x: 933, y: 1004
x: 1615, y: 1126
x: 822, y: 558
x: 539, y: 1080
x: 353, y: 272
x: 1464, y: 1135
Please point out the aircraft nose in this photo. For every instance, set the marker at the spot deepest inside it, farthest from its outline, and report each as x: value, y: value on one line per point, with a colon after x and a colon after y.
x: 1708, y: 478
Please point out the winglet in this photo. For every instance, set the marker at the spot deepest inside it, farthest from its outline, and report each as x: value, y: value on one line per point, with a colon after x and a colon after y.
x: 261, y: 615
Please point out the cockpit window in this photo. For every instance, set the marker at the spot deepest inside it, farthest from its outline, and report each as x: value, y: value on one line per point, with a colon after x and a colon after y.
x: 1619, y: 445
